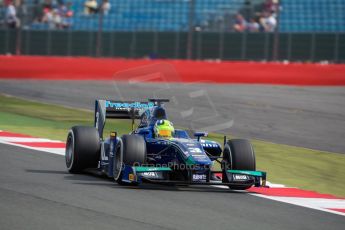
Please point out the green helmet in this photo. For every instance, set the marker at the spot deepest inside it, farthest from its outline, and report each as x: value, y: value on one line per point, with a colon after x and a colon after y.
x: 164, y: 129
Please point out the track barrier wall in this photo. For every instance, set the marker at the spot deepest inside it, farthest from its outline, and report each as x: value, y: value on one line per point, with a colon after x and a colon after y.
x: 86, y: 68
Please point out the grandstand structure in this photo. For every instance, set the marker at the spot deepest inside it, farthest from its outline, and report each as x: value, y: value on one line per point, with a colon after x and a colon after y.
x: 307, y: 30
x: 209, y: 15
x: 312, y: 16
x: 155, y: 15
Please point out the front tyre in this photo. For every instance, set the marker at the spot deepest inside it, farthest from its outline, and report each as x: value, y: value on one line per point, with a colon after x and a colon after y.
x: 238, y: 154
x: 82, y: 149
x: 131, y: 151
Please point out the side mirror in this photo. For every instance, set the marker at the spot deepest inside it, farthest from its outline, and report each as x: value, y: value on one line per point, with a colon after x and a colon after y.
x: 198, y: 135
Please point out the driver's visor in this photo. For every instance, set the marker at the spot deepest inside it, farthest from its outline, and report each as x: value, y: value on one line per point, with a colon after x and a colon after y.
x: 164, y: 133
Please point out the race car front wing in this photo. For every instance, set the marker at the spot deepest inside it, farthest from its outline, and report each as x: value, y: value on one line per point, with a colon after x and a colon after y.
x: 160, y: 175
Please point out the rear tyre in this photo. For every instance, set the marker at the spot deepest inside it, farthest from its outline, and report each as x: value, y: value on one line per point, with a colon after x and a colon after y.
x: 238, y: 154
x: 82, y: 148
x: 130, y: 150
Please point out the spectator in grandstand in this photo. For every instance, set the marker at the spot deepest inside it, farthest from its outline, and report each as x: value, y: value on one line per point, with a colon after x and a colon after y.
x: 23, y: 13
x: 105, y: 7
x: 11, y: 18
x: 91, y: 7
x: 16, y: 3
x: 47, y: 5
x: 62, y: 9
x: 66, y: 14
x: 253, y: 25
x: 57, y: 17
x: 271, y: 6
x: 70, y: 12
x: 240, y: 23
x: 53, y: 19
x: 268, y: 22
x: 37, y: 11
x: 47, y: 12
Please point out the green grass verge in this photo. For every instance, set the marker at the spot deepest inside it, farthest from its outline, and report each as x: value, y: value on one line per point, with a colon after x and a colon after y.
x: 293, y: 166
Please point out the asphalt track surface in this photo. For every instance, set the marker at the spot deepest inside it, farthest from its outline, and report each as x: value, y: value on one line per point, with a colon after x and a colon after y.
x: 312, y: 117
x: 36, y: 192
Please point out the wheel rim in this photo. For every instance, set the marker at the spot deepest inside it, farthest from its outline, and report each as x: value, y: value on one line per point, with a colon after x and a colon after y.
x: 69, y: 156
x: 227, y: 160
x: 117, y: 167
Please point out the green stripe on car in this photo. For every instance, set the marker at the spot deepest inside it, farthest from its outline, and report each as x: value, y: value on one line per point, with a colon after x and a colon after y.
x: 245, y: 172
x: 140, y: 169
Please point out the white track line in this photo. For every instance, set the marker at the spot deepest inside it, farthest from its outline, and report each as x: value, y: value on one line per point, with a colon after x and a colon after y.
x: 58, y: 151
x: 27, y: 139
x: 313, y: 203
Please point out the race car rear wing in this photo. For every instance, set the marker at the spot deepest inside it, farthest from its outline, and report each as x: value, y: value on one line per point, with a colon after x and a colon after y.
x: 118, y: 110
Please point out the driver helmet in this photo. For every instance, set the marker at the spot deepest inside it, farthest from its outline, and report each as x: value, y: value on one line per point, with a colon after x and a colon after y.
x: 164, y: 129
